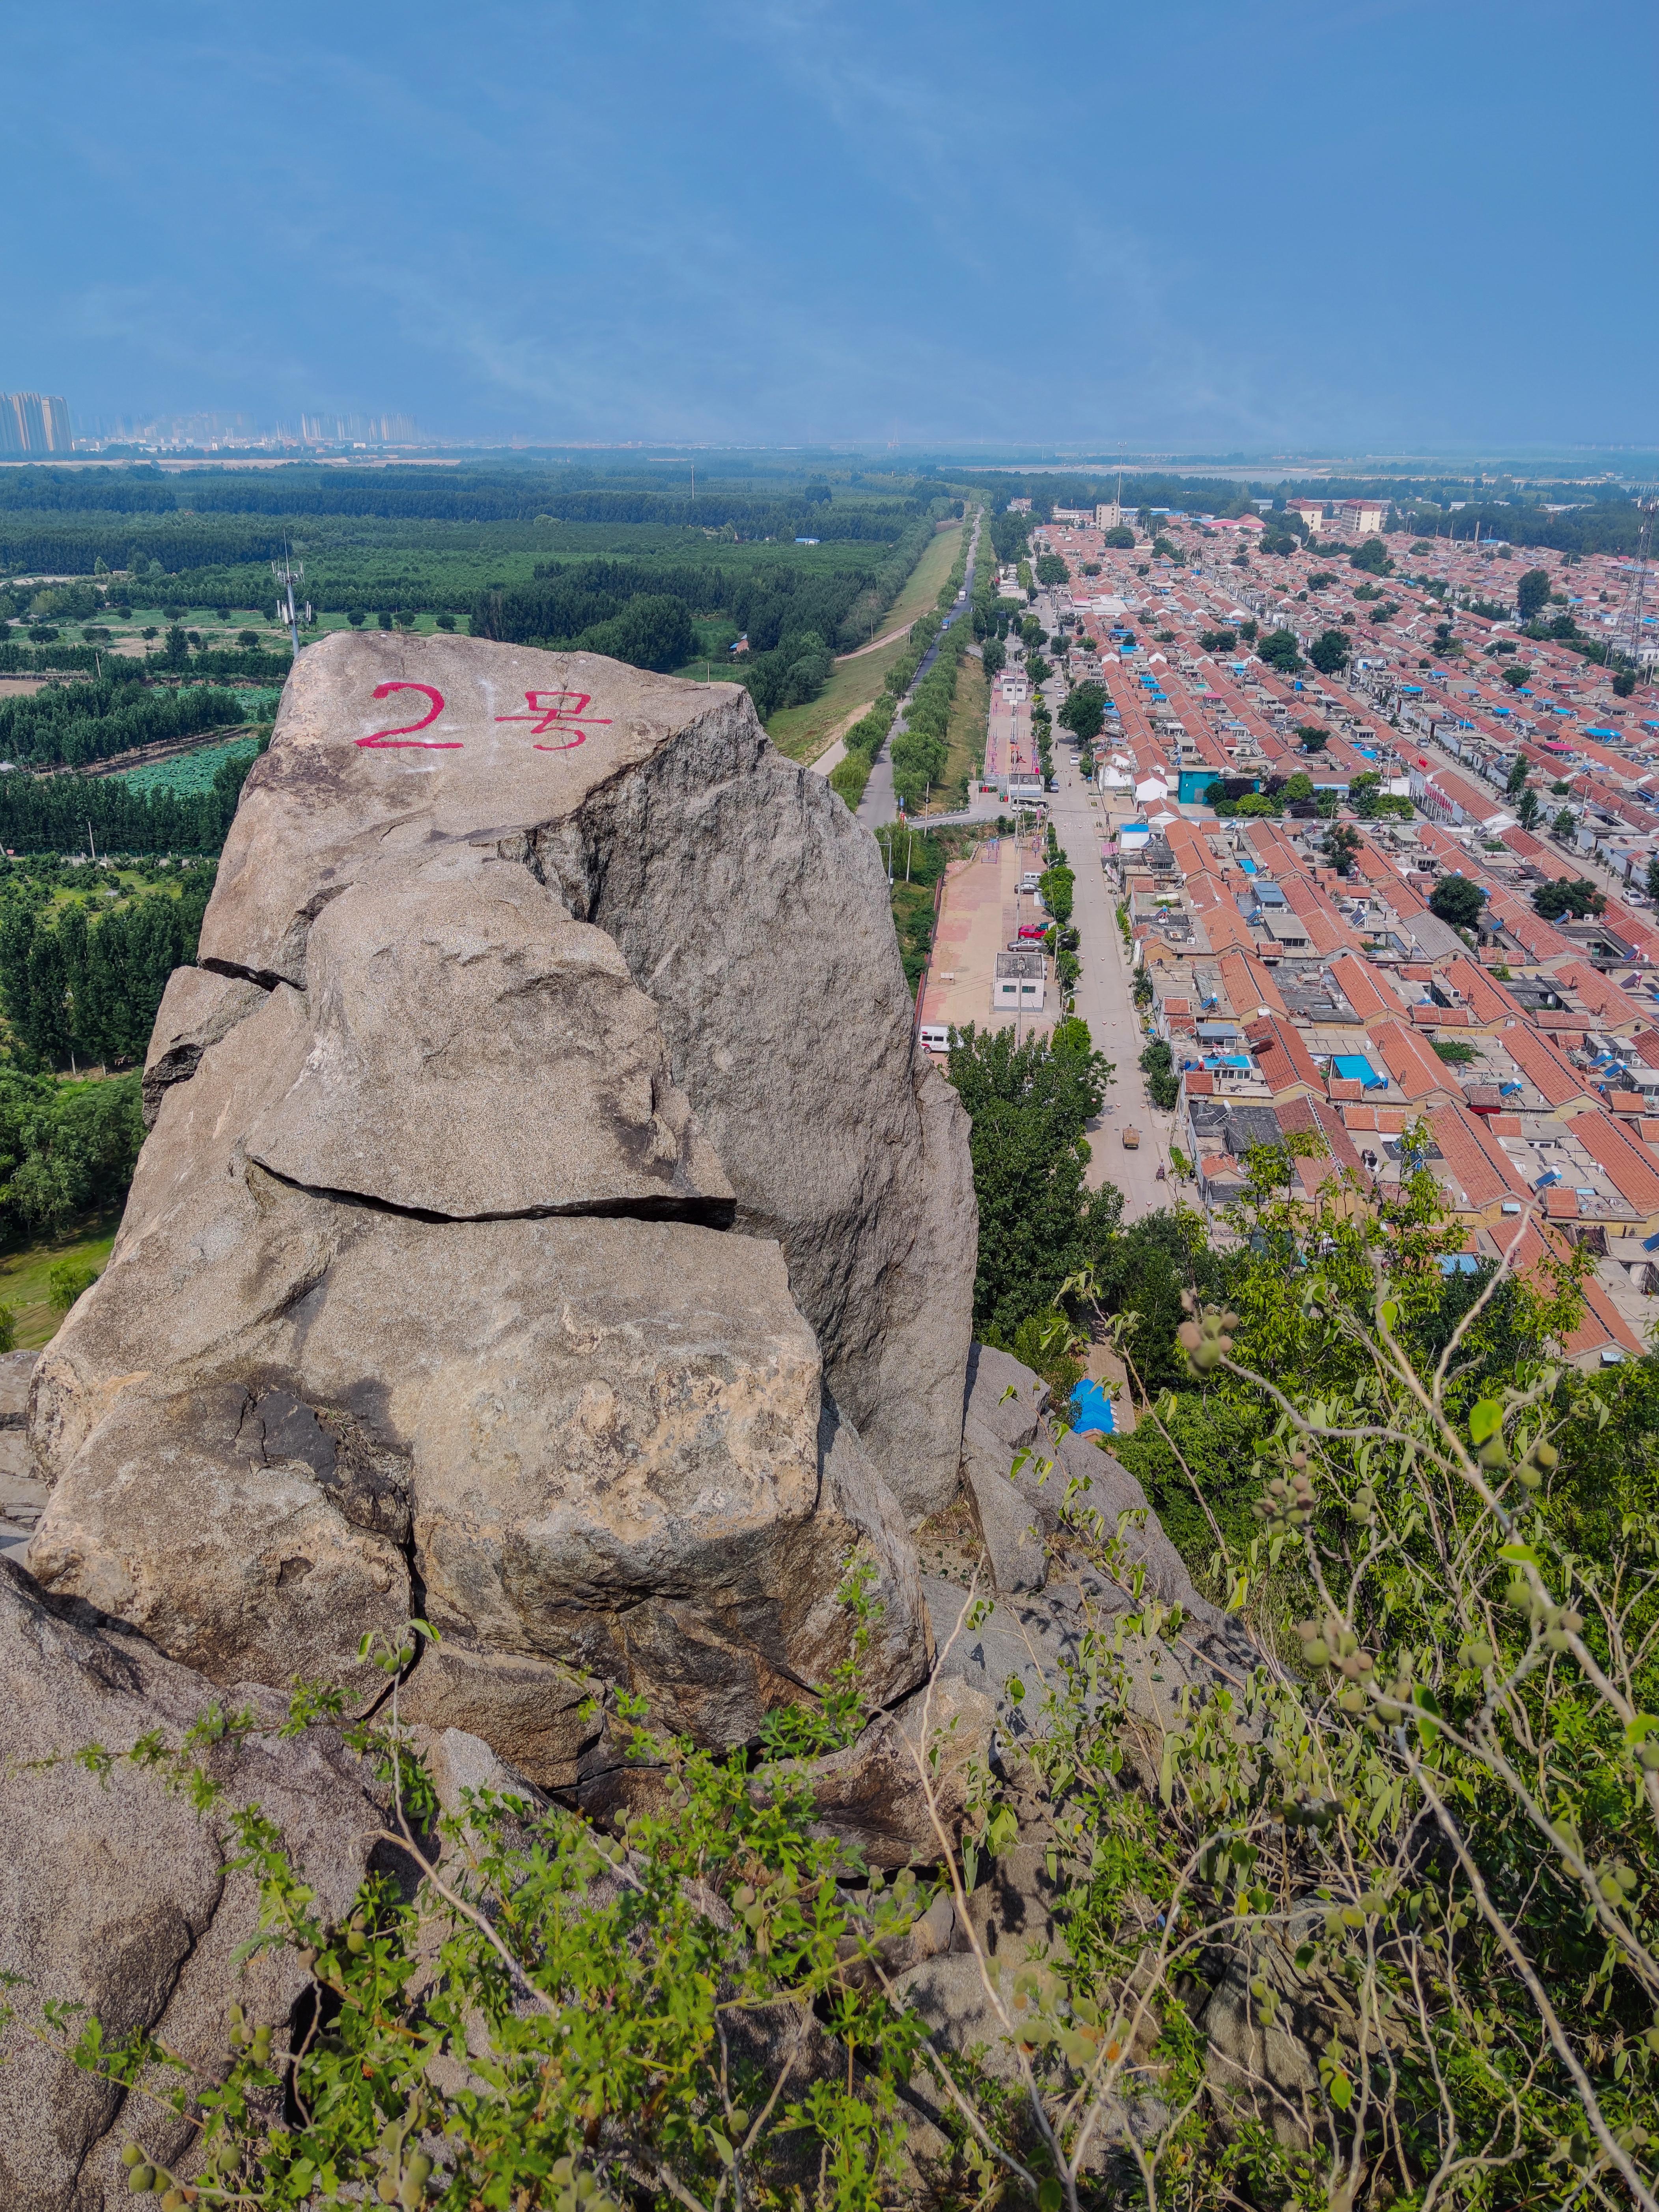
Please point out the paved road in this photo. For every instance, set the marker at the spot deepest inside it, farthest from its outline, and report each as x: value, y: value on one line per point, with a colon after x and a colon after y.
x: 880, y: 803
x: 1104, y: 1000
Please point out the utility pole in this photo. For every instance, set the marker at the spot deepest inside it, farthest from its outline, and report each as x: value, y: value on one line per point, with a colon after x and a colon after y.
x: 289, y: 572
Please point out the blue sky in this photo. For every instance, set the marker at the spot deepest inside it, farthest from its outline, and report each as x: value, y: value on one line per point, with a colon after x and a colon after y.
x: 1390, y: 225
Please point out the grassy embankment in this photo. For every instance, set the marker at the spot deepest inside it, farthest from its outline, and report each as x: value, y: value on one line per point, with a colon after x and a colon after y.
x: 918, y: 861
x: 804, y: 732
x: 26, y: 1270
x: 970, y: 709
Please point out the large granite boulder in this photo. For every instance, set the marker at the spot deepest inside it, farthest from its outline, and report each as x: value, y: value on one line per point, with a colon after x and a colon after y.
x: 114, y: 1892
x: 546, y: 1226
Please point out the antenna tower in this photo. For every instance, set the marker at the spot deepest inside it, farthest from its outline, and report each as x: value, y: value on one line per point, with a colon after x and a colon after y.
x: 1627, y: 630
x: 289, y: 572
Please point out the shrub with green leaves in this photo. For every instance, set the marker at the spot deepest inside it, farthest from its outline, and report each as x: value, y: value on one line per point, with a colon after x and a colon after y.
x: 1362, y: 1914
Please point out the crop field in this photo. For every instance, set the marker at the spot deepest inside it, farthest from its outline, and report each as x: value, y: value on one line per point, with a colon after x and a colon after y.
x: 192, y: 771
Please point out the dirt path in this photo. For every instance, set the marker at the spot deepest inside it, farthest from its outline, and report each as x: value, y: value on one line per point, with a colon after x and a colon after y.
x: 877, y: 643
x: 835, y: 751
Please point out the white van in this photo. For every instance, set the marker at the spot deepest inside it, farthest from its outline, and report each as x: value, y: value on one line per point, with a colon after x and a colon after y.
x: 936, y: 1036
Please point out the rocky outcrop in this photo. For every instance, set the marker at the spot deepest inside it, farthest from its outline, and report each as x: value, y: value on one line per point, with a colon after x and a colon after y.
x: 1020, y: 1466
x: 546, y: 1226
x: 114, y: 1893
x: 1008, y: 1473
x: 22, y: 1493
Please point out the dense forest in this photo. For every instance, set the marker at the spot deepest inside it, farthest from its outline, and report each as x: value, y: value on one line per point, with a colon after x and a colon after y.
x: 457, y: 496
x: 74, y: 724
x: 66, y: 521
x: 795, y: 619
x: 67, y: 1150
x: 75, y: 985
x: 52, y: 813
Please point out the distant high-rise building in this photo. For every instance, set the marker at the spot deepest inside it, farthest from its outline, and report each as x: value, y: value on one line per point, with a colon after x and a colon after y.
x: 357, y: 430
x: 34, y: 422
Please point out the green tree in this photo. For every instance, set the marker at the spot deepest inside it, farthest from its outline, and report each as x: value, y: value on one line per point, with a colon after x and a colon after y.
x: 1577, y: 897
x: 1058, y: 886
x: 1564, y: 823
x: 1029, y: 1104
x: 1085, y: 711
x: 1162, y: 1083
x: 1120, y: 538
x: 1278, y: 650
x: 1531, y: 594
x: 1052, y: 570
x: 1528, y: 808
x: 1372, y: 555
x: 1330, y: 652
x: 1299, y: 786
x: 1343, y: 845
x: 1458, y: 901
x: 1516, y: 675
x: 1515, y: 780
x: 1312, y: 738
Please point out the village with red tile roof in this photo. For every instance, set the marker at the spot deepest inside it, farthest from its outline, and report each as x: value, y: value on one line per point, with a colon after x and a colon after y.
x: 1277, y: 812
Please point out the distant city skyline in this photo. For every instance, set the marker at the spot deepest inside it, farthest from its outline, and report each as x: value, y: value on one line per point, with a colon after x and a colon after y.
x: 1376, y: 227
x: 208, y: 428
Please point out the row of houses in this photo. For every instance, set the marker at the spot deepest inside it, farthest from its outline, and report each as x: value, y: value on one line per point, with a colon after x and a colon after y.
x: 1333, y: 1015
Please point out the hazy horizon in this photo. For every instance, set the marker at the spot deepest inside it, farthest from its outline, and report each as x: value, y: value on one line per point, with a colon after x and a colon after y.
x: 1373, y: 232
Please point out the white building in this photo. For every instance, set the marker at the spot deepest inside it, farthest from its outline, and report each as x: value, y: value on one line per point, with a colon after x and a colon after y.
x: 1019, y: 989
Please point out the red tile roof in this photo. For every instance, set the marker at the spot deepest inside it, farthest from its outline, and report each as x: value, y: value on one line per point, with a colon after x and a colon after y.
x: 1281, y: 1055
x: 1486, y: 997
x: 1414, y: 1066
x: 1386, y: 1120
x: 1630, y: 1169
x: 1356, y: 983
x: 1484, y: 1173
x: 1543, y: 1066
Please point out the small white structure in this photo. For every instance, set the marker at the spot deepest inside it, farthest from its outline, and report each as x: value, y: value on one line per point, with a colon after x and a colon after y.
x: 1018, y: 987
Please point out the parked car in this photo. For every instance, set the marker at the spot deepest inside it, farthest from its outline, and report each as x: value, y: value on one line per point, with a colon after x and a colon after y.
x: 1030, y: 880
x: 1030, y: 929
x: 936, y: 1036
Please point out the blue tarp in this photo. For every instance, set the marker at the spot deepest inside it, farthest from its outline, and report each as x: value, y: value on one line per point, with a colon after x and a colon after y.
x: 1354, y: 1067
x: 1090, y: 1408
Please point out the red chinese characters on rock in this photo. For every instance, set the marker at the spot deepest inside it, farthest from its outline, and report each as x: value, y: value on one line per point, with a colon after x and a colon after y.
x: 403, y: 734
x: 549, y: 710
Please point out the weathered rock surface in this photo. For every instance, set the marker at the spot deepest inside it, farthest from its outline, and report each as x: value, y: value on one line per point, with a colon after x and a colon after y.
x: 423, y: 1299
x: 1018, y: 1463
x: 197, y: 1008
x: 22, y: 1493
x: 871, y: 1795
x: 113, y: 1893
x: 1007, y: 1467
x: 1038, y: 1642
